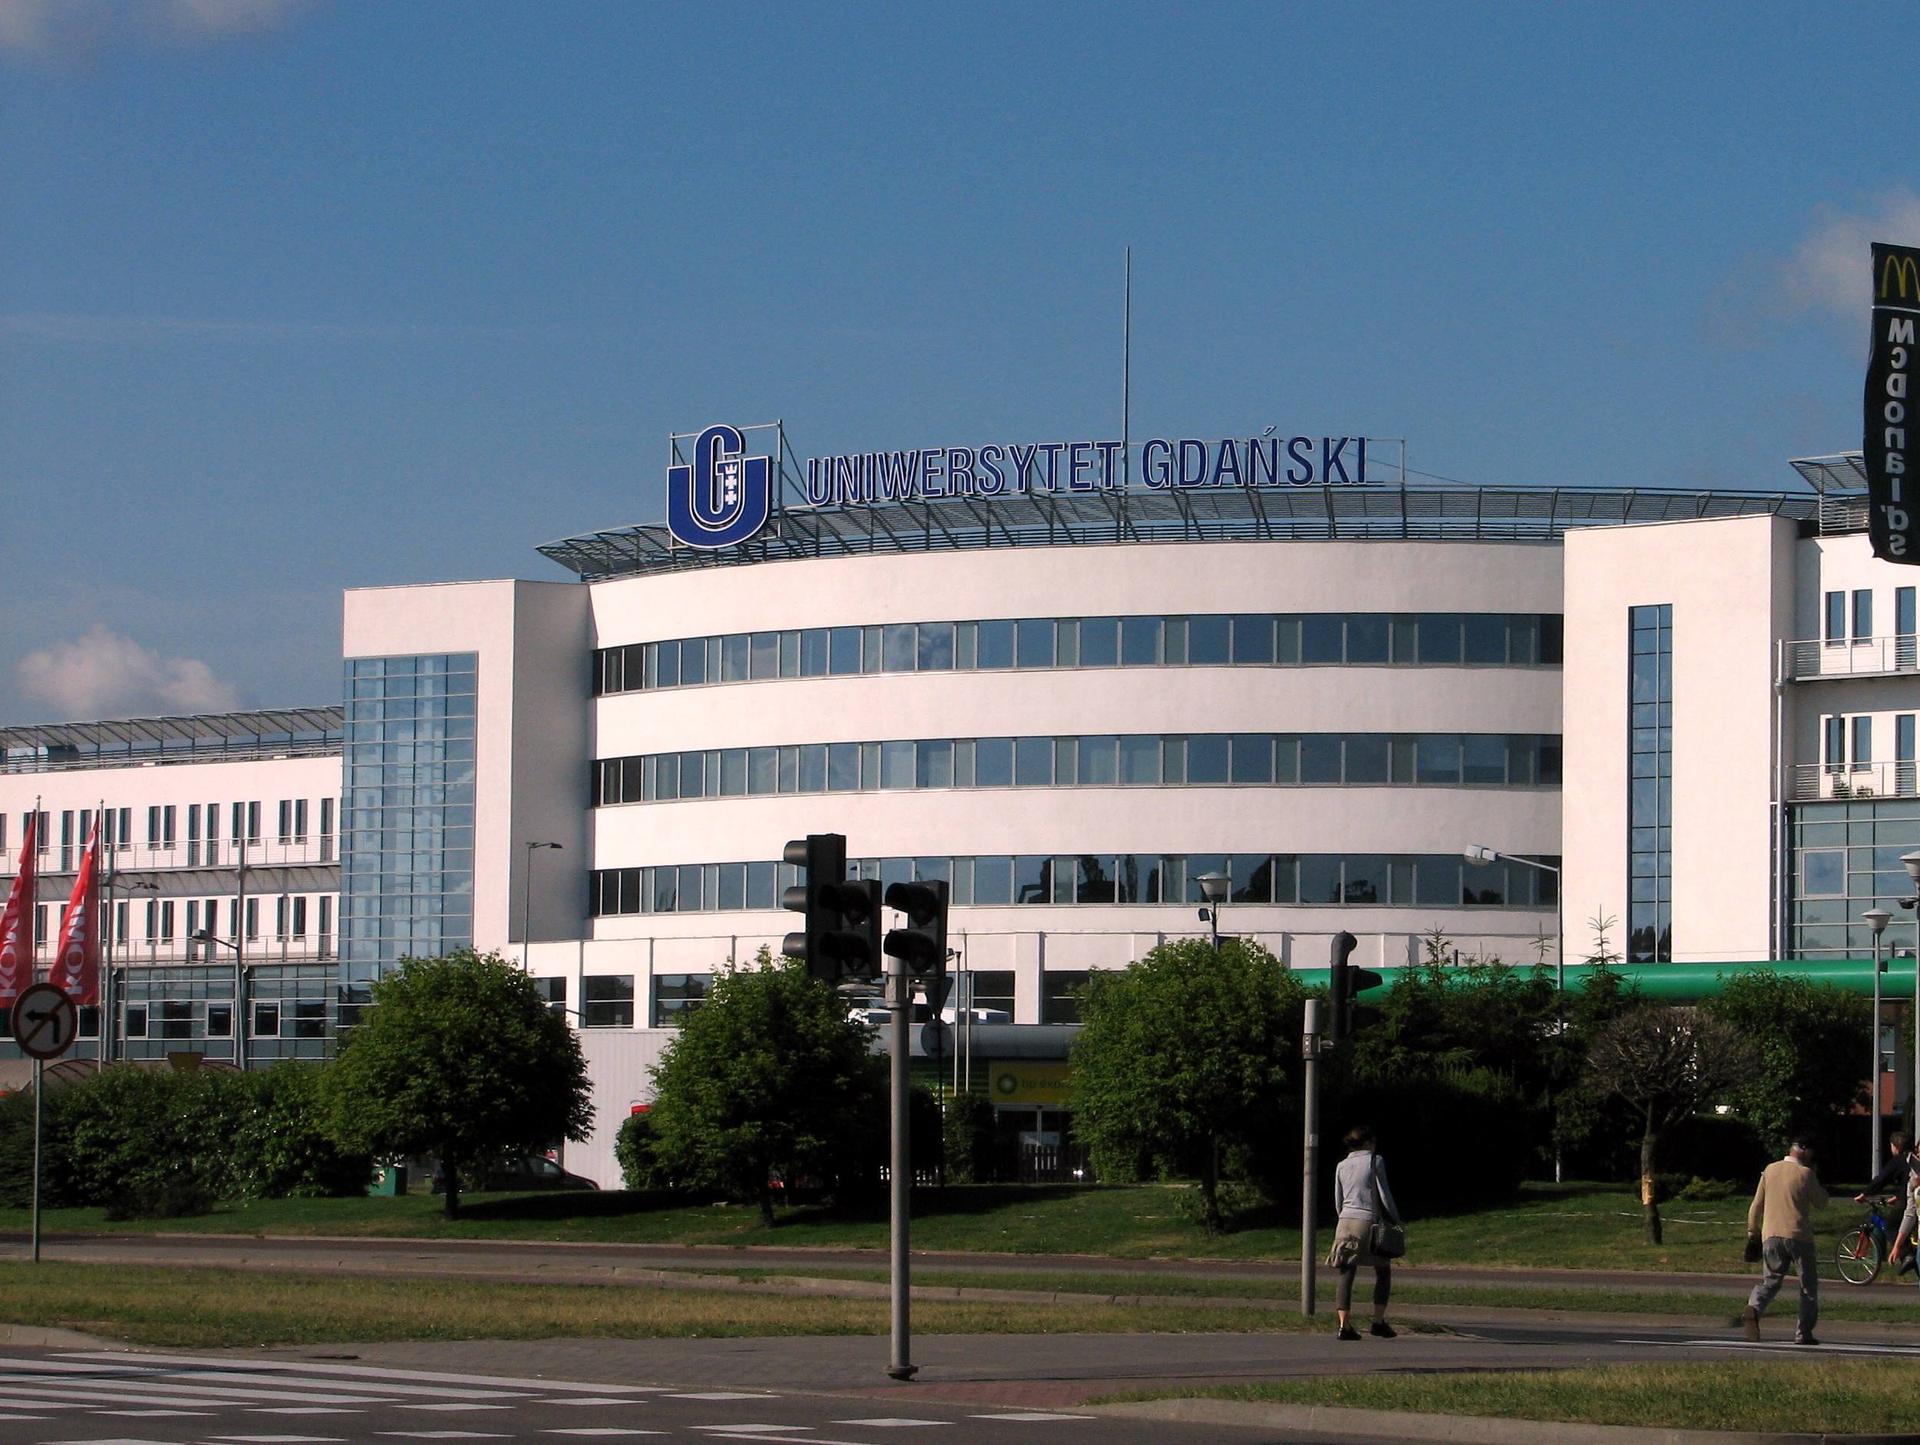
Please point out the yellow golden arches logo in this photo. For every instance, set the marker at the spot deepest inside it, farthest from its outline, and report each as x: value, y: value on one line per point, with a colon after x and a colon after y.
x: 1900, y: 278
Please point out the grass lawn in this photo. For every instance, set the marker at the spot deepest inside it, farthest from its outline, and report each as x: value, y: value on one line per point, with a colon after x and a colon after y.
x: 1837, y: 1395
x: 1835, y: 1303
x: 1573, y: 1225
x: 210, y: 1308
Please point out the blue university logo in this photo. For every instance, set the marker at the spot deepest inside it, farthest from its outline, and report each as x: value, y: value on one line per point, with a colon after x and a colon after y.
x: 724, y: 497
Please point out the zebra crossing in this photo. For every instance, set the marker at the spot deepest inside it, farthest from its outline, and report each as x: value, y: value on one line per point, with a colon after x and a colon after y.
x: 103, y: 1397
x: 69, y: 1388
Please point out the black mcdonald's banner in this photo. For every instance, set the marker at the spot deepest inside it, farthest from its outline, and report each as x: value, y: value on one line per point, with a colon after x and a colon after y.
x: 1893, y: 489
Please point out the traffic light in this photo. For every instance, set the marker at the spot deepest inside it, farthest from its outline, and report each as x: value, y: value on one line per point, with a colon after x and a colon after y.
x: 922, y: 944
x: 842, y: 935
x: 1345, y: 983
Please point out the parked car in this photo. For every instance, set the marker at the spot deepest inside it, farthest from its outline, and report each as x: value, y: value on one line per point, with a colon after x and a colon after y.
x: 521, y: 1171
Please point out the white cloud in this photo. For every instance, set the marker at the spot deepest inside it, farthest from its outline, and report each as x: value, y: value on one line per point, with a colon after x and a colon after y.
x: 65, y: 29
x: 1828, y: 270
x: 106, y: 675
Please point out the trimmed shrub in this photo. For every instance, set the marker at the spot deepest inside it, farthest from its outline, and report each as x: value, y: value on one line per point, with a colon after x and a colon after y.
x: 283, y: 1148
x: 634, y: 1150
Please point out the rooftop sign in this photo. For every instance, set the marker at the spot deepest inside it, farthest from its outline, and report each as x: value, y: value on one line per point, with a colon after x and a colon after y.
x: 723, y: 497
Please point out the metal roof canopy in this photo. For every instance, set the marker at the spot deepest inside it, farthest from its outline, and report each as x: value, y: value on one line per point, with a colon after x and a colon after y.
x: 138, y: 735
x: 1841, y: 472
x: 1376, y: 511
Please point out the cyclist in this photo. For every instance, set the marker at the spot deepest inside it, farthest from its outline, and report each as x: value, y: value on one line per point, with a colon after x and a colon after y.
x: 1904, y: 1167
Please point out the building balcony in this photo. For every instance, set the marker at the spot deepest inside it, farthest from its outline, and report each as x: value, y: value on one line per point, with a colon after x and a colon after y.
x: 1815, y: 659
x: 192, y: 868
x: 1844, y: 782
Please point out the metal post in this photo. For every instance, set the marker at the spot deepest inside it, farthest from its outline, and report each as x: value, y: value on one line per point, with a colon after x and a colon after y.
x: 900, y: 1169
x: 39, y: 1069
x: 1559, y: 989
x: 1310, y: 1152
x: 1913, y: 1079
x: 1873, y: 1069
x: 526, y: 914
x: 240, y: 964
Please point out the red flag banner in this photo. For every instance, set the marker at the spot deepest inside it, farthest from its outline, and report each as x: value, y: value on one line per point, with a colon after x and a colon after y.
x: 76, y: 965
x: 16, y: 924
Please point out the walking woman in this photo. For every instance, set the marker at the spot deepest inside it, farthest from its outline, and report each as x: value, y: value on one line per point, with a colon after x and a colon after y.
x: 1362, y: 1200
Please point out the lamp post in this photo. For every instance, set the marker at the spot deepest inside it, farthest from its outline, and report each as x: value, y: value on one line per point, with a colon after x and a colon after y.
x: 1911, y: 862
x: 1213, y: 888
x: 110, y: 1002
x: 1876, y: 919
x: 239, y: 986
x: 1480, y: 856
x: 526, y: 903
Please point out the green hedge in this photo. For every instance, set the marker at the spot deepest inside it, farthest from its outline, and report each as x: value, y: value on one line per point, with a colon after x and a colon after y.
x: 141, y: 1142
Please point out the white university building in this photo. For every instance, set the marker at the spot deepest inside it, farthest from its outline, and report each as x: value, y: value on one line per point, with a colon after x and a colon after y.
x: 1069, y: 701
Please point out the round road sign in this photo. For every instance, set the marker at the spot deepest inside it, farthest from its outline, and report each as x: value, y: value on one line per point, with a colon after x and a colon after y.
x: 45, y: 1021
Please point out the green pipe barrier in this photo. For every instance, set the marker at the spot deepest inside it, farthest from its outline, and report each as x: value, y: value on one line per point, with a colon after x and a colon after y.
x: 1691, y: 982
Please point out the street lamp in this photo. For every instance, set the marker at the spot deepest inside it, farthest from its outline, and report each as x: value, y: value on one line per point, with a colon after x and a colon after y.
x: 1876, y: 919
x: 1213, y: 888
x: 526, y: 902
x: 205, y: 935
x: 1911, y: 862
x: 1480, y: 856
x: 109, y: 1001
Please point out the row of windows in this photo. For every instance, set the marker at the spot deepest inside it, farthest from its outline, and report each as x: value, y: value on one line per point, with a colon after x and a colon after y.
x: 193, y: 1019
x: 1312, y: 879
x: 607, y: 1000
x: 1834, y: 627
x: 162, y: 916
x: 295, y: 818
x: 1259, y: 639
x: 1132, y: 760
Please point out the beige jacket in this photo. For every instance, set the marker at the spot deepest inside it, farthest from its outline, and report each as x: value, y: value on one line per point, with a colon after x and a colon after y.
x: 1783, y: 1205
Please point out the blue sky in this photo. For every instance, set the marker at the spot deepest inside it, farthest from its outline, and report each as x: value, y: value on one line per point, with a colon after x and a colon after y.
x: 298, y: 295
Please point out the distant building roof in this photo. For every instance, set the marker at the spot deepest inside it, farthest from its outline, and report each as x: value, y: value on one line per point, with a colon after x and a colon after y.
x: 1381, y: 511
x: 201, y: 737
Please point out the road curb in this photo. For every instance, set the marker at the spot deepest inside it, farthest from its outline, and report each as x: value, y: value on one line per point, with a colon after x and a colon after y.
x: 1469, y: 1429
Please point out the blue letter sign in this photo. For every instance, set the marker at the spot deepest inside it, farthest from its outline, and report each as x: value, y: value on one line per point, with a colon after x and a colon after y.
x: 724, y: 497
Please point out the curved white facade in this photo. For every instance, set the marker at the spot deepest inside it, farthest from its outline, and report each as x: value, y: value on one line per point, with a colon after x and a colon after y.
x: 1197, y: 579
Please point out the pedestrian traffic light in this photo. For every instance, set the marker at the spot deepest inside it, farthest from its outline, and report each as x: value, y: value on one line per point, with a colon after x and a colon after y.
x: 842, y: 935
x: 1345, y: 983
x: 922, y: 944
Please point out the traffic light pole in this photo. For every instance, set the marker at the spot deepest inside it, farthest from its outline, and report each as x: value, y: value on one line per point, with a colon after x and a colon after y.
x: 1310, y: 1153
x: 900, y: 1170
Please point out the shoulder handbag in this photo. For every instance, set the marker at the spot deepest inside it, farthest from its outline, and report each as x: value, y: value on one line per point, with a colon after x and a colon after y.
x: 1388, y: 1237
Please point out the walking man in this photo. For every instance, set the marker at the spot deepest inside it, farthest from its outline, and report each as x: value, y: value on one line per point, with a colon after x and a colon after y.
x: 1781, y: 1218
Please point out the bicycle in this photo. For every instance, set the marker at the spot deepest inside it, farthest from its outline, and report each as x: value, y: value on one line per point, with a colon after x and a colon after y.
x: 1862, y: 1250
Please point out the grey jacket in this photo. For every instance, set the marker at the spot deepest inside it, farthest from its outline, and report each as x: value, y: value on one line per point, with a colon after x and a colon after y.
x: 1353, y: 1181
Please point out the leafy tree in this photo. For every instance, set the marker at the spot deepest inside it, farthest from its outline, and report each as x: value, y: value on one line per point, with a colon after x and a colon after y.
x: 1477, y: 1014
x: 461, y: 1058
x: 1185, y: 1053
x: 1808, y: 1037
x: 768, y: 1079
x: 1666, y: 1063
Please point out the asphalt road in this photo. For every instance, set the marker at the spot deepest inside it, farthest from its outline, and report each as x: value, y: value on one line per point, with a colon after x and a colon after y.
x: 997, y: 1390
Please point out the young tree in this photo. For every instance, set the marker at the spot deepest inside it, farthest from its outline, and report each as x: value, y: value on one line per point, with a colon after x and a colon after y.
x: 1185, y: 1053
x: 1666, y: 1063
x: 459, y: 1057
x: 768, y: 1079
x: 1809, y: 1039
